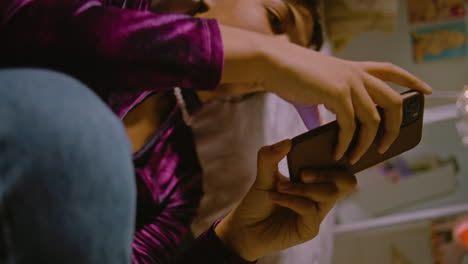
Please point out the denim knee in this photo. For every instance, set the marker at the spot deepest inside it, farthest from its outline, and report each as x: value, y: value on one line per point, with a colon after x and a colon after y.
x: 66, y: 173
x: 50, y: 115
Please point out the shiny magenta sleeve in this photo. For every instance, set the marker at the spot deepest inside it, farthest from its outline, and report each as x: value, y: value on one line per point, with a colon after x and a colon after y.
x: 110, y: 48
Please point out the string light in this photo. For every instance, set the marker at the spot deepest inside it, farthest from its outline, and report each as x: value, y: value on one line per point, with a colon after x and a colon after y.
x: 462, y: 123
x: 180, y: 100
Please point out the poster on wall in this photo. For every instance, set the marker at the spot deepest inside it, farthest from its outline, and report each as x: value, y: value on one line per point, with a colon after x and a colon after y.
x: 424, y: 11
x: 439, y: 42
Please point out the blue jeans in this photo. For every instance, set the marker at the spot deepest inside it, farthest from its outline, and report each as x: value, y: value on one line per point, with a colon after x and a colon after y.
x: 67, y: 190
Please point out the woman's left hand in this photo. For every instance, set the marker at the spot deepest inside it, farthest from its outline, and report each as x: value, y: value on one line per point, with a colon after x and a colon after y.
x: 277, y: 214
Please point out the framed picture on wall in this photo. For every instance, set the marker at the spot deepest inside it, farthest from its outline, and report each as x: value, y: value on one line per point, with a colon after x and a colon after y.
x: 424, y: 11
x: 439, y: 42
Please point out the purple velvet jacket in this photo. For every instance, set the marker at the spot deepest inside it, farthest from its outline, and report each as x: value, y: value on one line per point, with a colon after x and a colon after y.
x: 124, y: 53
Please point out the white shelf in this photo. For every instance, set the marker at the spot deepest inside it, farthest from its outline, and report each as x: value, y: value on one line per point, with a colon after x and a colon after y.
x: 396, y: 219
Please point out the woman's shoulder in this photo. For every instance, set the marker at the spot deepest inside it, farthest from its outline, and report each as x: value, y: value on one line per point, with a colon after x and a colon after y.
x: 9, y: 8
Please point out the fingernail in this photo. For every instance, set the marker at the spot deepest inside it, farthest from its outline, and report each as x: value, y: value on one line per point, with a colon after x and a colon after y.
x: 382, y: 150
x: 353, y: 160
x: 285, y: 185
x: 428, y: 86
x: 337, y: 156
x: 309, y: 177
x: 279, y: 146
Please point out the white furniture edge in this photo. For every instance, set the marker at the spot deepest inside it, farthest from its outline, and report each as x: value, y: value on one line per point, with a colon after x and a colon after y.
x: 422, y: 215
x: 440, y: 113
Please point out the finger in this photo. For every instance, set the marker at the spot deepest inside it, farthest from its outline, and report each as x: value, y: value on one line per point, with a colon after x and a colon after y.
x: 317, y: 176
x: 367, y: 114
x: 306, y: 209
x: 391, y: 73
x: 310, y: 176
x: 347, y: 123
x: 345, y: 181
x: 324, y: 208
x: 391, y: 103
x: 267, y: 164
x: 300, y: 205
x: 323, y: 192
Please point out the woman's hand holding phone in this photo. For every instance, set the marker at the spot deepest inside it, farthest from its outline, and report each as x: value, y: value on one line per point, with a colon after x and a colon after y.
x: 349, y: 89
x: 276, y: 214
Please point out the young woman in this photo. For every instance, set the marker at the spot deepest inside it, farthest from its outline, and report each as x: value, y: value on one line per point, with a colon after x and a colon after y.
x: 231, y: 127
x: 125, y: 56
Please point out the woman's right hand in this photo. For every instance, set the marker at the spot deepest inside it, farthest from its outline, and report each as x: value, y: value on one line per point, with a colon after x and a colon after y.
x: 349, y: 89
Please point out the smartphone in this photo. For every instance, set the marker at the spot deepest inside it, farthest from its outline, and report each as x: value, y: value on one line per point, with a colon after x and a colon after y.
x: 315, y: 149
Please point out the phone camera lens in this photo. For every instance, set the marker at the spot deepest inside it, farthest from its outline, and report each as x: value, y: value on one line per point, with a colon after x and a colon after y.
x: 411, y: 111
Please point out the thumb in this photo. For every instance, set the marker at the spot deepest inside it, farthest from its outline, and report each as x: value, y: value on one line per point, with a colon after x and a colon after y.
x: 267, y: 164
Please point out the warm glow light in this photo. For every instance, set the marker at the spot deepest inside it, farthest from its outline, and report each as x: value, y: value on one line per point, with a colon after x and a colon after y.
x: 466, y: 94
x: 464, y: 238
x: 460, y: 232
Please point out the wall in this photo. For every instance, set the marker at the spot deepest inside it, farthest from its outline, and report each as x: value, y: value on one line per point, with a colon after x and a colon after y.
x: 396, y: 48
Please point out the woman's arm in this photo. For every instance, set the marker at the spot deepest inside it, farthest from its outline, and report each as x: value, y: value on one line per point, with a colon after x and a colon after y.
x: 158, y: 241
x: 114, y: 49
x: 111, y: 48
x: 350, y: 89
x: 175, y: 186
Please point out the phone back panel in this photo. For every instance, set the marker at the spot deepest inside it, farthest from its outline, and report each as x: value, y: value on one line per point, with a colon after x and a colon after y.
x: 315, y: 149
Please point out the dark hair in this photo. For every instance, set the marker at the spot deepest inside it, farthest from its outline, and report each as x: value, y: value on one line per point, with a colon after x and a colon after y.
x: 317, y: 37
x: 313, y: 5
